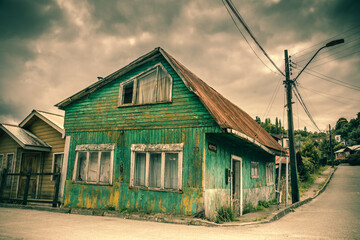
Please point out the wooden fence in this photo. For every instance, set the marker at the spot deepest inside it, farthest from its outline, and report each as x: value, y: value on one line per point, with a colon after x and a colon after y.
x: 56, y: 176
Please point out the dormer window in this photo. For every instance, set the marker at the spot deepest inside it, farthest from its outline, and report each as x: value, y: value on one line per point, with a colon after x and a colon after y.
x: 151, y: 86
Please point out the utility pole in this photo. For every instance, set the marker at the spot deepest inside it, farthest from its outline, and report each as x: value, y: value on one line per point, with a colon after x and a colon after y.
x: 295, y: 196
x: 331, y: 149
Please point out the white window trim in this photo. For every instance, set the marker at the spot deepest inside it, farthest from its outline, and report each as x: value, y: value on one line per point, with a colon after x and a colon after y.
x: 53, y: 163
x: 267, y: 169
x: 93, y: 148
x: 134, y: 79
x: 156, y: 148
x: 2, y: 161
x: 254, y: 176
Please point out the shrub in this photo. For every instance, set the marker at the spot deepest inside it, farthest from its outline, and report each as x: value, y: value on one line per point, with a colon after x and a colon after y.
x: 354, y: 159
x: 225, y: 214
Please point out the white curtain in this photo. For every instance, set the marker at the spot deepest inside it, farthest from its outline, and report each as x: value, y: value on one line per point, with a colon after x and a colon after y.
x: 155, y: 170
x: 163, y: 89
x: 140, y: 167
x: 81, y: 166
x: 105, y: 167
x: 146, y: 88
x: 171, y: 170
x: 93, y: 174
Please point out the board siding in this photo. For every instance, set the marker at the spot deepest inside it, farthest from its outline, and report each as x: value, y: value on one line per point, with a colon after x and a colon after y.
x: 97, y: 119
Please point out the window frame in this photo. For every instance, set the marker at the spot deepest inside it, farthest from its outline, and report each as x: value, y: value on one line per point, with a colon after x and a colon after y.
x: 135, y: 80
x: 2, y: 161
x: 252, y: 164
x: 163, y: 149
x: 9, y: 179
x: 53, y: 163
x: 269, y: 169
x: 10, y: 170
x: 93, y: 148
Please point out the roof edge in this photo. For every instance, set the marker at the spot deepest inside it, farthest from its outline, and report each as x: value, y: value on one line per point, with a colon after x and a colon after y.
x: 253, y: 141
x: 93, y: 87
x: 46, y: 120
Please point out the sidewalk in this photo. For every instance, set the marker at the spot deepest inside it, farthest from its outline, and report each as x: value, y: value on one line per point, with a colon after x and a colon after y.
x: 264, y: 216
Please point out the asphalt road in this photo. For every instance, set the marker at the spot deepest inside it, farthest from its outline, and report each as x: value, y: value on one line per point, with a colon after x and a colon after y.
x: 335, y: 214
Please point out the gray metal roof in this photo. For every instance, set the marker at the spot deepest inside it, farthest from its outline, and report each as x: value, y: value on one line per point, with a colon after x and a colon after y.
x: 24, y: 138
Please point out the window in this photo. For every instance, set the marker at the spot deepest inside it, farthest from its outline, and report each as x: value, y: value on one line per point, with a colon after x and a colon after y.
x: 94, y: 163
x: 9, y: 166
x: 151, y: 86
x: 57, y: 163
x: 1, y: 161
x: 157, y: 167
x: 254, y: 170
x: 269, y: 173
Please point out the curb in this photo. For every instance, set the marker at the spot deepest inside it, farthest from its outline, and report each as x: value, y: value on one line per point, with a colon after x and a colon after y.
x: 292, y: 207
x: 163, y: 219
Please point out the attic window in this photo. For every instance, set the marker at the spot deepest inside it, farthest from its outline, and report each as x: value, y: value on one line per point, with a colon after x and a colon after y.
x: 151, y: 86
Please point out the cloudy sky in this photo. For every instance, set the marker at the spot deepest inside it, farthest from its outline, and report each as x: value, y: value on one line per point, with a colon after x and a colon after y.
x: 49, y: 50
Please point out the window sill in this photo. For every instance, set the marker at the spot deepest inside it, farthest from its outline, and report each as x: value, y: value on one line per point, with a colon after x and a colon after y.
x: 156, y: 189
x: 90, y: 183
x: 145, y: 104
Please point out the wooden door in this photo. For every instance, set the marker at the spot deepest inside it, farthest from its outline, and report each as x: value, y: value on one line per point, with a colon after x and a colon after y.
x: 237, y: 185
x: 29, y: 160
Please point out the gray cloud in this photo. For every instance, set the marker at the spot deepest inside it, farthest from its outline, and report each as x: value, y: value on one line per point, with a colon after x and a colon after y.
x: 53, y: 49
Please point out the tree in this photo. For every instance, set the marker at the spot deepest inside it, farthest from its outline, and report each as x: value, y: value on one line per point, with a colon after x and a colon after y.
x: 310, y: 152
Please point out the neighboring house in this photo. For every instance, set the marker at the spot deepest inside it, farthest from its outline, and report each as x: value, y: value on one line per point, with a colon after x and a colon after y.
x: 354, y: 149
x: 342, y: 154
x: 155, y: 137
x: 36, y: 143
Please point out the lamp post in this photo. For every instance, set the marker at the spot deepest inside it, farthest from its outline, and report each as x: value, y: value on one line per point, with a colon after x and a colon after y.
x: 295, y: 196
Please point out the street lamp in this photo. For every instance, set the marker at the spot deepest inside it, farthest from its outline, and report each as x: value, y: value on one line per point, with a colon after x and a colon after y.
x: 329, y: 44
x: 288, y: 85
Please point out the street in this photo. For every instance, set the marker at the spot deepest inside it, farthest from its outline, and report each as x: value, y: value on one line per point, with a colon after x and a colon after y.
x: 335, y: 214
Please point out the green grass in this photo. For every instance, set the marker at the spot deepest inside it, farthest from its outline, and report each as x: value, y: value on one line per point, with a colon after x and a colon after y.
x: 305, y: 185
x: 225, y: 214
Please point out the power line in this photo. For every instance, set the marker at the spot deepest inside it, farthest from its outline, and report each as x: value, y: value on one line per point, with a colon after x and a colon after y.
x: 302, y: 103
x: 324, y: 41
x: 246, y: 39
x: 237, y: 14
x: 324, y: 94
x: 341, y: 50
x: 329, y: 79
x: 335, y: 59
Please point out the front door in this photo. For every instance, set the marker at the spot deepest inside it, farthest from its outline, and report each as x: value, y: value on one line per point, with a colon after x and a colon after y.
x: 29, y: 160
x: 236, y: 164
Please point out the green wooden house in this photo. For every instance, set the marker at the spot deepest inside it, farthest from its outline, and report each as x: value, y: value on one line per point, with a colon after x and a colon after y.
x: 153, y: 136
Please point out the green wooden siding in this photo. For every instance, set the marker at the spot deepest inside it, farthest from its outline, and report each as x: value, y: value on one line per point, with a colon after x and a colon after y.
x: 217, y: 191
x: 100, y: 110
x: 119, y: 195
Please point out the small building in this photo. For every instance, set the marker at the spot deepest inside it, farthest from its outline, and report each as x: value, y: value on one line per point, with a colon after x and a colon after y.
x: 153, y: 136
x: 37, y: 143
x: 342, y: 154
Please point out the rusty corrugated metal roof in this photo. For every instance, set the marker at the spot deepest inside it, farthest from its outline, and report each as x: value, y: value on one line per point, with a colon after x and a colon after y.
x: 225, y: 113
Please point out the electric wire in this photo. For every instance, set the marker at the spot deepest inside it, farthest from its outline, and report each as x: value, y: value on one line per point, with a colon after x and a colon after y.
x: 322, y: 93
x: 324, y: 41
x: 237, y: 14
x: 322, y: 63
x: 271, y: 102
x: 302, y: 103
x: 246, y: 39
x: 329, y: 79
x: 340, y: 49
